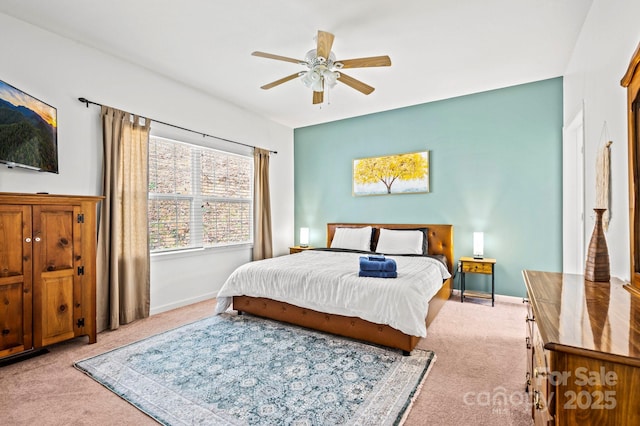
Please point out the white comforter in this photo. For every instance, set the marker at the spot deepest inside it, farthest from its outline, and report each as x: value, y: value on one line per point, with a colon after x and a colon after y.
x: 328, y: 282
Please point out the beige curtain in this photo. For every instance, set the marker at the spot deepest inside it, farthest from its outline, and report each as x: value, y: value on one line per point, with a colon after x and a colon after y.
x: 262, y: 242
x: 123, y: 248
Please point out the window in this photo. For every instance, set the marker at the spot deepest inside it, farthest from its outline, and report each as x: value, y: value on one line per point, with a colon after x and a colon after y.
x: 198, y: 197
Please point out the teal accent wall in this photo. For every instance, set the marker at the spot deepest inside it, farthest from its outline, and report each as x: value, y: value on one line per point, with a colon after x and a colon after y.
x: 495, y: 166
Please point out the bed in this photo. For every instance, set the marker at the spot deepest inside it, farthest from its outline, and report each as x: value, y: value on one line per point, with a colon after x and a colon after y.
x: 347, y: 320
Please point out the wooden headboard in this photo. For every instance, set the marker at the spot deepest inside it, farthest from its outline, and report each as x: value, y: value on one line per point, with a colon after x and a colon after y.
x: 440, y: 236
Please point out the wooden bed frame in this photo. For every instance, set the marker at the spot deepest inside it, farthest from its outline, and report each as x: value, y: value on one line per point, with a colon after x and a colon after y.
x: 440, y: 242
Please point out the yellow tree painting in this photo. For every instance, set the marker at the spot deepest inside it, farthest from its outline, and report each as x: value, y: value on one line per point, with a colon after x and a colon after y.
x: 392, y: 174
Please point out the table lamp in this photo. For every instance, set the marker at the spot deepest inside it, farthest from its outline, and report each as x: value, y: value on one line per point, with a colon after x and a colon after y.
x: 478, y: 245
x: 304, y: 237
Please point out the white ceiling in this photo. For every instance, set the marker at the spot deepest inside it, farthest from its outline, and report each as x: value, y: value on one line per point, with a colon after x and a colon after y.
x: 438, y: 48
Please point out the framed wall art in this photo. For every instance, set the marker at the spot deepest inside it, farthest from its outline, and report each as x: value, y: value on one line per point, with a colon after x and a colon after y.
x: 391, y: 174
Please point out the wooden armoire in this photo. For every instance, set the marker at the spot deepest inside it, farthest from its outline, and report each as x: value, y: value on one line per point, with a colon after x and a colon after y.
x: 47, y: 270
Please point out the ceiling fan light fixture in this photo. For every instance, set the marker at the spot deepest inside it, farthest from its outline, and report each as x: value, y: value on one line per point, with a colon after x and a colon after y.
x: 330, y: 77
x: 313, y: 80
x: 317, y: 76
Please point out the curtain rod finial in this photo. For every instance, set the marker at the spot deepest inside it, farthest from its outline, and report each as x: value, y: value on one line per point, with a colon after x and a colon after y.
x: 84, y: 101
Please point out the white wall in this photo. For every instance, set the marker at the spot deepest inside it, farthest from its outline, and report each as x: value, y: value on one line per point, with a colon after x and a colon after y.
x: 58, y: 71
x: 608, y: 38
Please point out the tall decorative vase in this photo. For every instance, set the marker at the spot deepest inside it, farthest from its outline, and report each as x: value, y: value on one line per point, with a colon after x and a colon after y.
x: 597, y: 268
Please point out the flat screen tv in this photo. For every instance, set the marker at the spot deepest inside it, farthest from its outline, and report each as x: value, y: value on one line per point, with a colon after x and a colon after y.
x: 28, y: 131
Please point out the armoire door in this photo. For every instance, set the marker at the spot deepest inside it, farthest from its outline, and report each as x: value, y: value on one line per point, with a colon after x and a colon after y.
x: 57, y: 264
x: 15, y: 279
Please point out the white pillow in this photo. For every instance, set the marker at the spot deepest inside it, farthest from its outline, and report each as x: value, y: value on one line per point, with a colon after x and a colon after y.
x: 400, y: 242
x: 352, y: 238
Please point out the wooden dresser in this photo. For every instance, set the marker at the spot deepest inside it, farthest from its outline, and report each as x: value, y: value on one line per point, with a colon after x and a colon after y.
x: 47, y: 270
x: 583, y: 350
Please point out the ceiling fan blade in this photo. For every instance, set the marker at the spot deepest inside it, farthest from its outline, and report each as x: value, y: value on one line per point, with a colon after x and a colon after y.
x: 356, y: 84
x: 277, y: 57
x: 374, y: 61
x: 278, y: 82
x: 325, y: 42
x: 318, y: 97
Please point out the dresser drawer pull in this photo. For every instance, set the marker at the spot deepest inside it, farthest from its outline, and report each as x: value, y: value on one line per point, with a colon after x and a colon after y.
x: 528, y: 340
x: 537, y: 373
x: 529, y: 319
x: 536, y: 400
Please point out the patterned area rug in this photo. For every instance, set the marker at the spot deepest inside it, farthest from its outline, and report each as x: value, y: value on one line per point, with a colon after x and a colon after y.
x: 238, y: 370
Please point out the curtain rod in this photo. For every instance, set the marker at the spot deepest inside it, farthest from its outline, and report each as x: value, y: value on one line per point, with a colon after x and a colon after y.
x: 87, y: 102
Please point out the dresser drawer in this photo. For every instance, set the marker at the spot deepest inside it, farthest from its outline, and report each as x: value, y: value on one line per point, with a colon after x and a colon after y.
x: 477, y: 267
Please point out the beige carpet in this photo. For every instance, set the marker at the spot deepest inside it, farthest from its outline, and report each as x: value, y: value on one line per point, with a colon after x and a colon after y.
x: 481, y: 356
x: 480, y: 351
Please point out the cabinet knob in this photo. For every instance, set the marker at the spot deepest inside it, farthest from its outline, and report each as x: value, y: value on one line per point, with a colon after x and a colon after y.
x: 27, y: 240
x: 37, y: 239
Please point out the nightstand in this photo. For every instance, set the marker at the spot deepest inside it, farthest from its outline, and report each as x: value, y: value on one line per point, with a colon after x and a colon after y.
x: 471, y: 265
x: 298, y: 249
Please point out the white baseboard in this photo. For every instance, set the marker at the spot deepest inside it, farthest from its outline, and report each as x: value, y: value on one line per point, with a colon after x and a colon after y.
x: 184, y: 302
x: 499, y: 297
x: 508, y: 299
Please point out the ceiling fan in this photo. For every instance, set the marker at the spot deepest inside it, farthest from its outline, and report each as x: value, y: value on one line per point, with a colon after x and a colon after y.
x: 324, y: 70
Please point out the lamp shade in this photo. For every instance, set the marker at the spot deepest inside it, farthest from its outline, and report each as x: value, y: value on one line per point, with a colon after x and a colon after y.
x: 304, y: 237
x: 478, y: 244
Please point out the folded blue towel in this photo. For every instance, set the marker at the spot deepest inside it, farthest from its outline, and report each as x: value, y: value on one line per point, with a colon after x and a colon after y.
x: 387, y: 265
x: 378, y: 274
